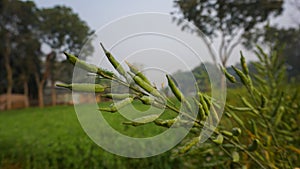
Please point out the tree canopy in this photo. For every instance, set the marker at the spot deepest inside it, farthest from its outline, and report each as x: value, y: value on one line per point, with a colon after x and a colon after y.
x: 289, y: 40
x: 24, y: 29
x: 230, y: 20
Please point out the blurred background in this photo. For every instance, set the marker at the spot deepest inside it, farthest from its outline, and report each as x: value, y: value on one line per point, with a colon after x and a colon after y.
x: 38, y: 127
x: 42, y: 30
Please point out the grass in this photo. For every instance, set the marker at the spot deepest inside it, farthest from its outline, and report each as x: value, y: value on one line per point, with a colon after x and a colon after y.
x: 53, y: 138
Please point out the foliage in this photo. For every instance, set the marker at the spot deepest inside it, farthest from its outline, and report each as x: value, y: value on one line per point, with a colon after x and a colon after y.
x: 202, y: 76
x: 289, y: 39
x: 62, y: 29
x: 17, y: 20
x: 263, y: 131
x: 230, y: 20
x: 24, y: 30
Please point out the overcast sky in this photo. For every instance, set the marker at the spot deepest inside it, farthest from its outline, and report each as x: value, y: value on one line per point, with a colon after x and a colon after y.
x: 98, y: 13
x: 101, y: 15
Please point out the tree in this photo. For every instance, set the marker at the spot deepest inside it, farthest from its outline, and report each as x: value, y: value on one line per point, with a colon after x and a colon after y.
x: 61, y: 30
x: 289, y: 40
x: 16, y: 18
x: 23, y: 30
x: 201, y: 76
x: 27, y: 60
x: 231, y: 20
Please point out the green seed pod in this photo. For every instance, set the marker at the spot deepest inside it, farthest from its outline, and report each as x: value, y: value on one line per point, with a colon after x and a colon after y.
x: 114, y: 62
x: 278, y: 116
x: 142, y: 120
x: 84, y: 87
x: 287, y: 126
x: 237, y: 119
x: 88, y: 67
x: 230, y: 77
x: 245, y: 80
x: 147, y: 119
x: 239, y: 109
x: 118, y: 105
x: 259, y: 79
x: 284, y: 132
x: 260, y: 68
x: 214, y: 113
x: 246, y: 103
x: 189, y: 145
x: 253, y: 146
x: 268, y: 140
x: 122, y: 103
x: 289, y: 139
x: 195, y: 130
x: 147, y: 100
x: 158, y: 105
x: 228, y: 114
x: 228, y: 145
x: 71, y: 58
x: 187, y: 105
x: 117, y: 96
x: 261, y: 52
x: 187, y: 123
x: 219, y: 139
x: 147, y: 87
x: 236, y: 131
x: 253, y: 128
x: 227, y: 133
x: 263, y: 101
x: 274, y: 58
x: 132, y: 123
x: 203, y: 103
x: 202, y: 115
x: 235, y: 157
x: 207, y: 100
x: 244, y: 64
x: 138, y: 73
x: 175, y: 89
x: 201, y: 112
x: 259, y: 56
x: 165, y: 123
x: 105, y: 73
x: 107, y: 109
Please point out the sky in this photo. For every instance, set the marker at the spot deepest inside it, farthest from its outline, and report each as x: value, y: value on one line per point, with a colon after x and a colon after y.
x: 156, y: 58
x: 98, y: 13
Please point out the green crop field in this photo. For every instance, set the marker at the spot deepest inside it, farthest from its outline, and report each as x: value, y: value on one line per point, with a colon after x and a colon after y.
x: 52, y: 137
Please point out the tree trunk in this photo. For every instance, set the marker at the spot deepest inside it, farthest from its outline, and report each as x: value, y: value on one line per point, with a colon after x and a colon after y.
x: 40, y: 85
x: 41, y: 81
x: 41, y: 94
x: 9, y: 73
x: 26, y: 93
x: 53, y: 75
x: 53, y: 93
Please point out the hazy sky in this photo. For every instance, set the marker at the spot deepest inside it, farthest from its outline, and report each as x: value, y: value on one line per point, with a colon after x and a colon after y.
x: 97, y: 13
x: 101, y: 15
